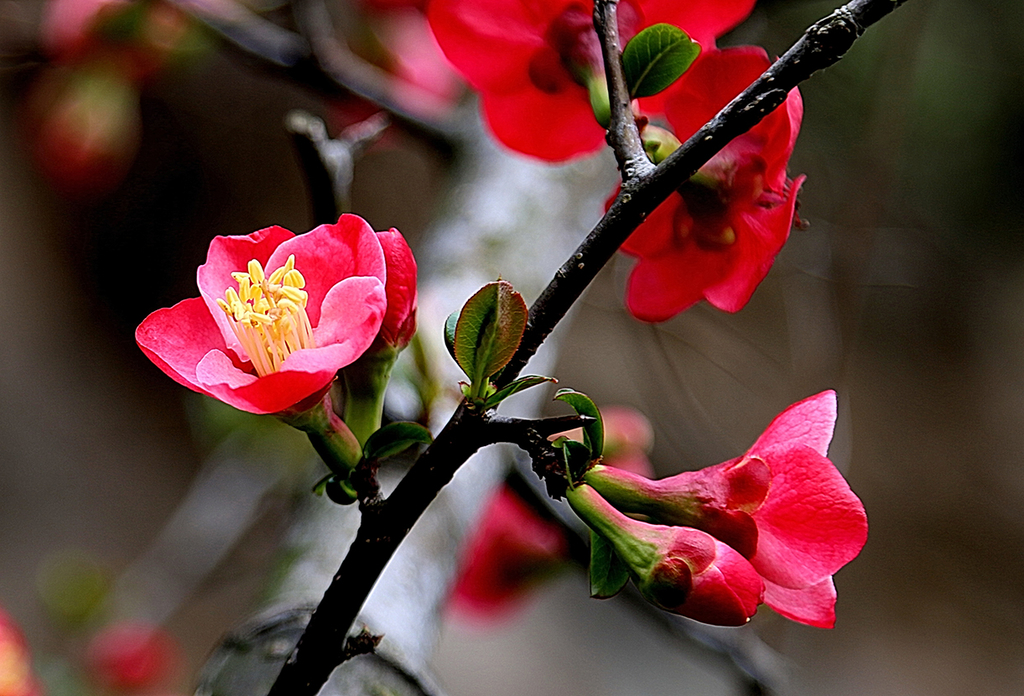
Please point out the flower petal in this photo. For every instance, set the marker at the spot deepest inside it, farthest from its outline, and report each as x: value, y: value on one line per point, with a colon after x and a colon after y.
x: 490, y: 42
x: 552, y: 127
x: 228, y: 255
x: 330, y: 253
x: 400, y: 318
x: 811, y: 524
x: 273, y: 393
x: 352, y: 313
x: 176, y: 339
x: 726, y: 593
x: 814, y: 605
x: 760, y: 234
x: 702, y: 21
x: 663, y: 286
x: 809, y: 423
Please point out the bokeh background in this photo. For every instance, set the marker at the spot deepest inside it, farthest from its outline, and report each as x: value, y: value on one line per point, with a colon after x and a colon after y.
x: 903, y: 291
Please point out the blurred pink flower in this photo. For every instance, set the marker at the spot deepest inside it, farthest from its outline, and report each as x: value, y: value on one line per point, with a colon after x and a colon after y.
x: 132, y: 656
x: 16, y: 677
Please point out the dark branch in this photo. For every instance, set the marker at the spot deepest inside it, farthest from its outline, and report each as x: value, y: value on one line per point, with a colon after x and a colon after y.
x: 328, y: 163
x: 623, y: 135
x: 295, y: 58
x: 822, y: 44
x: 384, y: 526
x: 382, y: 529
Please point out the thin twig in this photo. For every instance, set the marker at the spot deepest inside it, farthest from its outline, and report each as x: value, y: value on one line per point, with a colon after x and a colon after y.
x: 296, y: 59
x: 623, y: 135
x: 329, y: 163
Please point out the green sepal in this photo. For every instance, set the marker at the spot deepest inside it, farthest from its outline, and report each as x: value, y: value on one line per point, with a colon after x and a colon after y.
x: 657, y: 57
x: 515, y: 387
x: 339, y: 490
x: 593, y: 431
x: 608, y: 573
x: 394, y: 438
x: 488, y: 332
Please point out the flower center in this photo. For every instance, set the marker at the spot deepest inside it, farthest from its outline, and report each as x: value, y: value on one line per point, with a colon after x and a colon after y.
x: 572, y: 51
x: 727, y: 184
x: 268, y: 314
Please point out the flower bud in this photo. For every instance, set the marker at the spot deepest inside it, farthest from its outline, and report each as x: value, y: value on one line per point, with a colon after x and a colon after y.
x: 680, y: 569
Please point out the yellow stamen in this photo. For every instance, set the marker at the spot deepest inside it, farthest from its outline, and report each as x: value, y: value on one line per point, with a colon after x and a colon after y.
x: 268, y: 314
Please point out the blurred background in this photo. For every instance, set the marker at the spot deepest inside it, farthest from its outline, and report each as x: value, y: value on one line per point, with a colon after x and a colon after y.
x: 903, y: 291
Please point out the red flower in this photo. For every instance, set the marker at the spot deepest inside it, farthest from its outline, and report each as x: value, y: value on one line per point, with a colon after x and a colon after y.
x: 130, y: 656
x: 680, y: 569
x: 719, y: 234
x: 16, y: 678
x: 512, y: 550
x: 399, y: 323
x: 531, y: 60
x: 280, y: 314
x: 783, y: 505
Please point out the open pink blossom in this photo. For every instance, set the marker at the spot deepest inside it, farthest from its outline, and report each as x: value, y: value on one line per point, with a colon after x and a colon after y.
x: 680, y: 569
x: 531, y: 61
x: 783, y: 505
x: 279, y: 314
x: 717, y: 236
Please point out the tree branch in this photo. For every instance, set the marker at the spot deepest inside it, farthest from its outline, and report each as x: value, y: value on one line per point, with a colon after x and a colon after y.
x: 824, y: 43
x: 623, y: 135
x: 298, y: 59
x: 384, y: 526
x: 328, y: 163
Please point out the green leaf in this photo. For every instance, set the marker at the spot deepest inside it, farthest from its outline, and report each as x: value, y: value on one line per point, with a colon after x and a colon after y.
x: 608, y: 573
x: 577, y: 459
x: 394, y: 438
x: 488, y: 331
x: 657, y: 57
x: 449, y: 333
x: 593, y: 432
x: 516, y: 387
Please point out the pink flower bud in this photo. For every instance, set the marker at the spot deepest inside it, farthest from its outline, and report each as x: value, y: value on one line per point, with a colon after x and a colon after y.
x: 680, y: 569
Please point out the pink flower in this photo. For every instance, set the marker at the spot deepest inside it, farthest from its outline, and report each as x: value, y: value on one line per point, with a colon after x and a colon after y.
x: 531, y: 61
x: 680, y: 569
x: 130, y: 656
x: 280, y: 314
x: 783, y: 505
x: 399, y: 322
x: 16, y: 678
x: 718, y: 235
x: 511, y: 551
